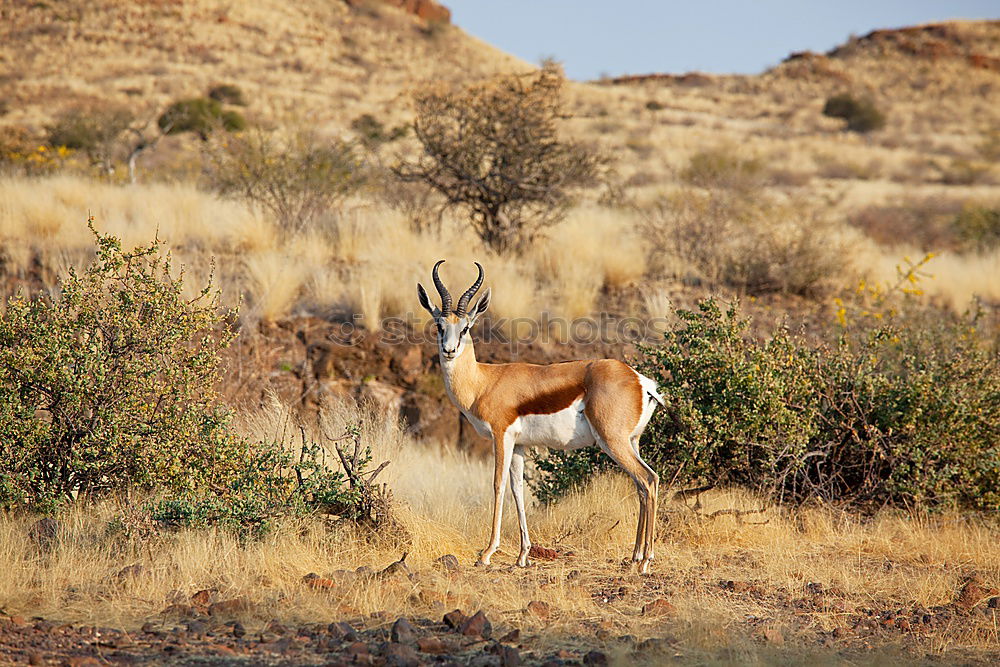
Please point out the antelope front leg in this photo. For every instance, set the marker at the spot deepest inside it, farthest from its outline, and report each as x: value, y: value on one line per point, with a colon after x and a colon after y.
x: 503, y: 452
x: 517, y: 490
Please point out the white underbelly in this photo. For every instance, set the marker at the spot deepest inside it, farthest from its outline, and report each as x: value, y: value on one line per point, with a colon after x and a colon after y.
x: 565, y: 429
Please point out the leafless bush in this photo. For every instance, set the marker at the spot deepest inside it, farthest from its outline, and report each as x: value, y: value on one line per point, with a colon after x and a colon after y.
x: 754, y: 245
x: 96, y: 132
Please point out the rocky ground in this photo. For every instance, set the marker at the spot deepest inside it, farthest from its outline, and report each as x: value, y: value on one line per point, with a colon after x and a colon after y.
x: 204, y: 629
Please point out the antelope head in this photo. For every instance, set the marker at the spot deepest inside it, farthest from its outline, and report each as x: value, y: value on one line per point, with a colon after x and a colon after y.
x: 453, y: 326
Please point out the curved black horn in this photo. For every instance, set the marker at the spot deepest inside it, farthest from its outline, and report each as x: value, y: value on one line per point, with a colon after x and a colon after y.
x: 442, y: 290
x: 463, y: 303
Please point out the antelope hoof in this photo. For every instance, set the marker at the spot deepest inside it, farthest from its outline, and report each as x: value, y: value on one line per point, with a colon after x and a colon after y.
x: 522, y: 560
x: 644, y: 567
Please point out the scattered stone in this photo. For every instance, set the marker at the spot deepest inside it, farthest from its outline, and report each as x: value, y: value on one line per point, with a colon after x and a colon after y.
x: 596, y: 658
x: 313, y: 580
x: 477, y: 626
x: 455, y: 619
x: 994, y: 603
x: 539, y: 609
x: 772, y: 635
x: 133, y: 571
x: 230, y: 607
x: 148, y: 627
x: 180, y: 610
x: 735, y: 586
x: 840, y: 633
x: 658, y: 607
x: 197, y: 628
x: 449, y: 563
x: 511, y: 636
x: 972, y: 594
x: 403, y: 631
x: 485, y: 660
x: 509, y: 656
x: 36, y: 658
x: 342, y: 630
x: 238, y: 630
x: 432, y: 645
x: 401, y: 655
x: 203, y: 597
x: 358, y: 648
x: 275, y: 626
x: 83, y: 661
x: 398, y: 568
x: 542, y: 553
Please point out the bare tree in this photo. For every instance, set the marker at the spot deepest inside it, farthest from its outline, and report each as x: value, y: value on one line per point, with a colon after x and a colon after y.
x: 96, y: 131
x: 493, y: 149
x: 140, y: 145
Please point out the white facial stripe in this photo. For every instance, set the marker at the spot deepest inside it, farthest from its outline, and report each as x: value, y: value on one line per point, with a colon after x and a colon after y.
x: 452, y: 336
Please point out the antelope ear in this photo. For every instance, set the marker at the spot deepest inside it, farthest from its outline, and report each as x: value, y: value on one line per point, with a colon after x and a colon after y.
x: 425, y: 302
x: 481, y: 305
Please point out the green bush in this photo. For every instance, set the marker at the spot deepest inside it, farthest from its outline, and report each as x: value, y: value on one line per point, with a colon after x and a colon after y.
x: 907, y: 416
x: 272, y: 484
x: 724, y: 168
x: 109, y: 387
x: 861, y: 114
x: 199, y: 115
x: 978, y: 227
x: 228, y: 93
x: 108, y: 390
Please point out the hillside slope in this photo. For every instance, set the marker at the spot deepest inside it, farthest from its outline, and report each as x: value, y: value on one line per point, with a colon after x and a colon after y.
x: 321, y: 60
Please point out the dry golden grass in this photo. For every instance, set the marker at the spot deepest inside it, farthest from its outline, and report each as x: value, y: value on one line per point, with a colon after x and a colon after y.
x: 366, y: 261
x: 895, y: 561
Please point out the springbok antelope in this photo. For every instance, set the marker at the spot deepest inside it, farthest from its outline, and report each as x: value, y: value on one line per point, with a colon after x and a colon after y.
x: 565, y: 405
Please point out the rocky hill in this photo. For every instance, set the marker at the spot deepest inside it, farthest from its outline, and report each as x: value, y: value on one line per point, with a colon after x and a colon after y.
x: 325, y: 61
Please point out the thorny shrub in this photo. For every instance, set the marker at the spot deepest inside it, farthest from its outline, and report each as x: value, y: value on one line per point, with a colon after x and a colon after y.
x: 745, y: 241
x: 296, y: 178
x: 108, y: 391
x: 896, y: 411
x: 277, y: 483
x: 96, y: 132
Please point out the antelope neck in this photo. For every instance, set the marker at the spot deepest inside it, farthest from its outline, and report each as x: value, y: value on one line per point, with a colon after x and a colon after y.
x: 462, y: 377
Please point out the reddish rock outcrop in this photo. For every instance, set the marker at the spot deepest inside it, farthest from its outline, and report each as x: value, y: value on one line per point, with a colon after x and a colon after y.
x: 428, y: 10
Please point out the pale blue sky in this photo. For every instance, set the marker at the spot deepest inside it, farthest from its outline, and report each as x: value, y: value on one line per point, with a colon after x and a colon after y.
x: 595, y: 37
